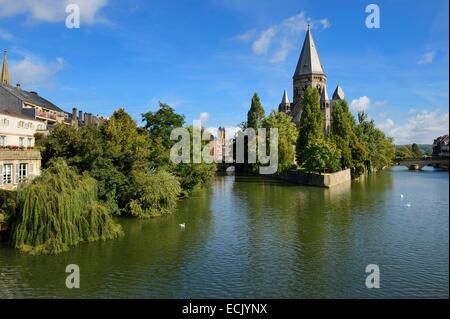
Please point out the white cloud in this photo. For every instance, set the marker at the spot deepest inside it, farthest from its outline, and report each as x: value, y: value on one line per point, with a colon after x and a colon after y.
x: 427, y: 58
x: 281, y: 54
x: 5, y: 35
x: 421, y: 128
x: 53, y: 10
x: 261, y: 45
x: 29, y: 72
x: 275, y: 41
x: 360, y: 104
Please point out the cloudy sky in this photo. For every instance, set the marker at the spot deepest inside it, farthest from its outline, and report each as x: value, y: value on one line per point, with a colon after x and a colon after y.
x: 206, y: 58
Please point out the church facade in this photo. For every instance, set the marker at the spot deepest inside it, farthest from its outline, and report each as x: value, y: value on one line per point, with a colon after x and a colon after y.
x: 309, y: 73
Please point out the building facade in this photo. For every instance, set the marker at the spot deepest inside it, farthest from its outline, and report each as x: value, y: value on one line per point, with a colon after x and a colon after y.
x: 310, y: 73
x: 441, y: 147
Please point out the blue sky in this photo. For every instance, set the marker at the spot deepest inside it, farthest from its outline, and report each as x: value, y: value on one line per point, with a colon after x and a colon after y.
x: 206, y: 58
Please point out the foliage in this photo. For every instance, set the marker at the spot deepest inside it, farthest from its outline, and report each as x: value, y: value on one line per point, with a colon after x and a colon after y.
x: 160, y: 124
x: 191, y: 175
x: 321, y: 155
x: 381, y: 149
x: 287, y: 136
x: 416, y: 150
x: 354, y: 151
x: 153, y: 193
x: 256, y: 113
x: 7, y: 206
x: 58, y: 210
x: 311, y: 124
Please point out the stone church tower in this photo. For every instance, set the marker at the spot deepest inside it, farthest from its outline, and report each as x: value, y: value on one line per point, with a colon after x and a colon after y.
x: 309, y: 73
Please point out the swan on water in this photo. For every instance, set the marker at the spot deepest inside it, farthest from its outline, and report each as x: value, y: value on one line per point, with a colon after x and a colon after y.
x: 183, y: 225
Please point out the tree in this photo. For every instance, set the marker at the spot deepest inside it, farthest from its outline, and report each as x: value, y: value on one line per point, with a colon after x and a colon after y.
x: 160, y: 124
x: 192, y: 175
x: 416, y: 150
x: 256, y: 113
x: 124, y: 143
x: 343, y: 132
x: 311, y: 123
x: 380, y: 149
x: 320, y: 156
x: 153, y: 193
x: 287, y: 136
x: 58, y: 210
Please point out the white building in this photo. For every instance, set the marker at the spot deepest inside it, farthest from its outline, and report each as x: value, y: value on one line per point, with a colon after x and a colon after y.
x: 17, y: 130
x: 18, y: 159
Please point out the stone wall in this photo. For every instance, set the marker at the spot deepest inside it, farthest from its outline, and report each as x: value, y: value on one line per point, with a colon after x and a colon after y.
x: 312, y: 179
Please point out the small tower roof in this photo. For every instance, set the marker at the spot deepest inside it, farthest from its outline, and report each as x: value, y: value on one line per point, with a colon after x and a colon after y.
x: 309, y: 61
x: 285, y: 99
x: 324, y: 96
x: 338, y: 93
x: 4, y: 76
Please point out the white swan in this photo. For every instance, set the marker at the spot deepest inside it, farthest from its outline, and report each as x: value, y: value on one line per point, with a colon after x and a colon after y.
x: 183, y: 226
x: 408, y: 205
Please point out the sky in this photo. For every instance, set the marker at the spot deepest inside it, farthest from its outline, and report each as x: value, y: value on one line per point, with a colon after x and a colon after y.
x: 206, y: 58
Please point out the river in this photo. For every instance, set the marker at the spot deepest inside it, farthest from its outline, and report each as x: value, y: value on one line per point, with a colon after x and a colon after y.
x: 249, y: 237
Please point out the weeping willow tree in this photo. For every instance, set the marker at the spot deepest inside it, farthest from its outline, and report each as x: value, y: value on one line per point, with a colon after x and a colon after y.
x: 152, y: 193
x: 58, y: 210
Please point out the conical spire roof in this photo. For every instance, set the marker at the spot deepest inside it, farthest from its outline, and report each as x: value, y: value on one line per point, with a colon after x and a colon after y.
x: 339, y: 93
x: 324, y: 96
x: 285, y: 99
x: 4, y: 76
x: 309, y: 61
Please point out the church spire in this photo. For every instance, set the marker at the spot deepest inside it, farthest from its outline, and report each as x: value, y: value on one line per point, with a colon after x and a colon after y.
x: 285, y: 99
x: 4, y: 76
x: 309, y: 62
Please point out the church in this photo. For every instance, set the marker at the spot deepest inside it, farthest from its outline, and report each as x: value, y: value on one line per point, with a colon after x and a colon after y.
x: 310, y: 73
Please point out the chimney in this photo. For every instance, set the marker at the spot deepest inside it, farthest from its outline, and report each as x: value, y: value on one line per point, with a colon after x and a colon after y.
x: 74, y: 114
x: 86, y: 118
x: 80, y: 116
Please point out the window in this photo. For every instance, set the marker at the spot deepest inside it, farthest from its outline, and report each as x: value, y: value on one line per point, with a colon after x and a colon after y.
x: 4, y: 122
x: 2, y: 140
x: 30, y: 142
x: 21, y: 124
x: 7, y: 173
x: 21, y: 141
x: 22, y: 172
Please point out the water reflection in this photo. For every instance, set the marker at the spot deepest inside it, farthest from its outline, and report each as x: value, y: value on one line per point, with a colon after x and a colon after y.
x: 250, y: 237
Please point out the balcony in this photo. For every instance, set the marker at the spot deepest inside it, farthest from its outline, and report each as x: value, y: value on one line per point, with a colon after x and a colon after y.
x: 46, y: 115
x: 7, y: 154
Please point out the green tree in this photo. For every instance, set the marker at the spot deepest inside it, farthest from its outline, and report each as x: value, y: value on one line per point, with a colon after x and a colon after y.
x: 256, y: 113
x: 160, y: 124
x: 287, y: 136
x: 416, y: 150
x: 404, y: 151
x: 381, y: 149
x: 311, y: 124
x: 124, y: 143
x: 153, y: 193
x: 354, y: 151
x: 193, y: 175
x: 321, y: 156
x: 58, y: 210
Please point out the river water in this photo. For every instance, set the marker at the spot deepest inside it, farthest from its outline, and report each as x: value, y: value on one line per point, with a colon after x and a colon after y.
x: 249, y: 237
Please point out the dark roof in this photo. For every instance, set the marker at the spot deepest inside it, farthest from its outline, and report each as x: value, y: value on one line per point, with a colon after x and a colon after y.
x: 31, y: 97
x: 309, y: 61
x: 15, y: 114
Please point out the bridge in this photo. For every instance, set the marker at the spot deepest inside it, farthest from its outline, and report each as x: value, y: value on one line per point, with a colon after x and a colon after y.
x: 421, y: 162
